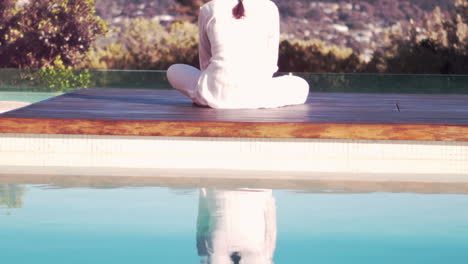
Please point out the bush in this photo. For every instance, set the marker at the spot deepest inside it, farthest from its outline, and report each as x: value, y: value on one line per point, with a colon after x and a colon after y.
x: 316, y: 56
x: 442, y: 49
x: 145, y: 44
x: 425, y: 56
x: 64, y: 79
x: 40, y: 32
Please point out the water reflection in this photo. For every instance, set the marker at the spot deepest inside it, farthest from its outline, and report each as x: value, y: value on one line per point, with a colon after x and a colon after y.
x: 11, y: 195
x: 236, y: 226
x: 162, y: 225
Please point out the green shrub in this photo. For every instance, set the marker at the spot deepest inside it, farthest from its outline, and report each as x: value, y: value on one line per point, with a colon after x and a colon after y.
x: 145, y: 44
x: 64, y: 79
x: 442, y: 49
x: 61, y: 78
x: 38, y: 33
x: 316, y: 56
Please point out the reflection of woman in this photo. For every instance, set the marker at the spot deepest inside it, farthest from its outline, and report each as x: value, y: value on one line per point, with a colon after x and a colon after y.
x: 238, y: 56
x: 236, y: 226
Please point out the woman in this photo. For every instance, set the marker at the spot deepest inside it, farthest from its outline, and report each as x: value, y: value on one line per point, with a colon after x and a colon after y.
x: 236, y: 226
x: 238, y: 49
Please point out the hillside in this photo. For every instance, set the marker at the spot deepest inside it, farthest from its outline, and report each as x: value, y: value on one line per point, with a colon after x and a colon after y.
x: 387, y: 10
x: 110, y: 9
x: 362, y: 25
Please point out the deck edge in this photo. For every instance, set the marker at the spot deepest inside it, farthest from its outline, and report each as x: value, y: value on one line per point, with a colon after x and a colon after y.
x: 423, y: 132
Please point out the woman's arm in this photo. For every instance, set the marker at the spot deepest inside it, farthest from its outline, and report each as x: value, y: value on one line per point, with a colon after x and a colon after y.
x: 204, y: 47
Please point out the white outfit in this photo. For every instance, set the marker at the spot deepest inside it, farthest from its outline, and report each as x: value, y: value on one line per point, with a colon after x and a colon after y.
x: 241, y: 222
x: 238, y: 58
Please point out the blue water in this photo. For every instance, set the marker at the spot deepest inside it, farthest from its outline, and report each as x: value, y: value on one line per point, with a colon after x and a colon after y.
x: 30, y: 97
x: 158, y: 225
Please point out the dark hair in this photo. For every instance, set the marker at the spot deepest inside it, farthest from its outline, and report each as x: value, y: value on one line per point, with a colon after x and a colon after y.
x: 238, y: 11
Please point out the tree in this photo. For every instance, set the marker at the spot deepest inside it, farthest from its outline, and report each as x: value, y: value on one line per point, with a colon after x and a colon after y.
x: 45, y: 33
x: 6, y: 20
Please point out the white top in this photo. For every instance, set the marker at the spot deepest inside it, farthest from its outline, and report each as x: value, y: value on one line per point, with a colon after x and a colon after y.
x: 237, y: 56
x: 242, y: 220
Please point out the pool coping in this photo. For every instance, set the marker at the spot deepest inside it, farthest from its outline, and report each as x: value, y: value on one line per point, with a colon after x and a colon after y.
x: 65, y: 177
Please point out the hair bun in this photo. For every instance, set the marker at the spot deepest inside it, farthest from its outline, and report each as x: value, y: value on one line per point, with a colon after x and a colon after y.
x: 238, y: 11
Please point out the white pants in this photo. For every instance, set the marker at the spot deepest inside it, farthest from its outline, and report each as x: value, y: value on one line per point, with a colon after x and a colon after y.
x: 283, y: 90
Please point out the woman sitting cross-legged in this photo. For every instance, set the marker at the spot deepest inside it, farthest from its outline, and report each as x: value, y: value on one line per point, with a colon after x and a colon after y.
x: 238, y: 51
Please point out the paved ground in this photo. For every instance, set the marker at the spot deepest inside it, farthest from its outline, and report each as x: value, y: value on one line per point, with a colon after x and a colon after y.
x: 10, y: 105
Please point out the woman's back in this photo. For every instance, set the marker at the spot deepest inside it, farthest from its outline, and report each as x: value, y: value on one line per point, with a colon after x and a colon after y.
x: 238, y: 57
x: 245, y: 44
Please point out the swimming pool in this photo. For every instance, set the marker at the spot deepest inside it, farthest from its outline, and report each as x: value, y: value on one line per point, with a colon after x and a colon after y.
x: 29, y: 97
x: 117, y: 223
x: 104, y: 223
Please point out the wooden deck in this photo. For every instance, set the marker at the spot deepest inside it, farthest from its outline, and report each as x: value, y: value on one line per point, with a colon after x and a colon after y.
x: 167, y: 113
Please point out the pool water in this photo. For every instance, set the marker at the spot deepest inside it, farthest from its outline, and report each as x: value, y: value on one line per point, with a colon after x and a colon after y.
x: 30, y: 97
x: 51, y: 224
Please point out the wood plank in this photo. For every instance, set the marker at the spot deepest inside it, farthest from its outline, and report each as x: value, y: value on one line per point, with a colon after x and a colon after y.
x: 235, y: 129
x: 167, y: 113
